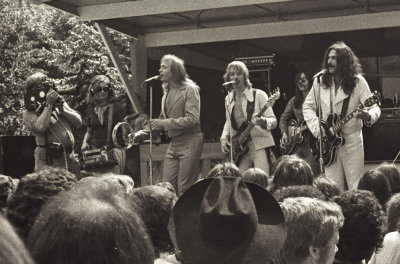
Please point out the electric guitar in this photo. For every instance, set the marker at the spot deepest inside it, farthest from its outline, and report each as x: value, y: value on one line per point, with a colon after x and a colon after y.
x: 294, y: 137
x: 332, y: 127
x: 239, y: 141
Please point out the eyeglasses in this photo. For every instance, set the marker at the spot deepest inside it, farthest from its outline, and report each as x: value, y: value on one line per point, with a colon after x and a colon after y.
x: 102, y: 89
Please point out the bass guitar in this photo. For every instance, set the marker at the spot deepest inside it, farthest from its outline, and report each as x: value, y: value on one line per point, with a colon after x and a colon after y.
x: 294, y: 137
x: 239, y: 141
x: 332, y: 128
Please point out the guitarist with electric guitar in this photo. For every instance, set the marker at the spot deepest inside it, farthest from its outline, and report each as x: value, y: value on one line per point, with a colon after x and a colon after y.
x: 296, y: 137
x: 344, y: 100
x: 51, y: 121
x: 246, y: 136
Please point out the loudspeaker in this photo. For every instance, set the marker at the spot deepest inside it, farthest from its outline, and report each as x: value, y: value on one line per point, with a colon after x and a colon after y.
x: 16, y: 155
x: 382, y: 140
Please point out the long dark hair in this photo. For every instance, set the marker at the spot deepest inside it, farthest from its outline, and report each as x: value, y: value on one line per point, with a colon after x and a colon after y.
x: 298, y: 96
x: 348, y: 65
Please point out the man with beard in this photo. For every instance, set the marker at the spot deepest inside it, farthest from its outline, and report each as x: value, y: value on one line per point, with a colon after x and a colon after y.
x: 341, y: 78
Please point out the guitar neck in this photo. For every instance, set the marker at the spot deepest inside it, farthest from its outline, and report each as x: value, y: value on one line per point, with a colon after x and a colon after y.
x: 341, y: 123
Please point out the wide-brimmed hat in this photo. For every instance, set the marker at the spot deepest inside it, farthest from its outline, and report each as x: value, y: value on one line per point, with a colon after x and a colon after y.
x: 226, y: 220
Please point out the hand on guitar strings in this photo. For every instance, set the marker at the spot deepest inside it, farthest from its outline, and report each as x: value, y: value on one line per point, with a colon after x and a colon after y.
x: 225, y: 145
x: 258, y: 120
x: 363, y: 115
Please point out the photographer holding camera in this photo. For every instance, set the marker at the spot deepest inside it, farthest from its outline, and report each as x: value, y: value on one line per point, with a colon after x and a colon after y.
x: 50, y: 119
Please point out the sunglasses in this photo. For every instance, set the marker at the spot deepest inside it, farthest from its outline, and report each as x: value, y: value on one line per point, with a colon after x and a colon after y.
x: 102, y: 89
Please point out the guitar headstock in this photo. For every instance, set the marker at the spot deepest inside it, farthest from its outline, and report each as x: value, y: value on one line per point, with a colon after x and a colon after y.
x: 275, y: 96
x: 375, y: 98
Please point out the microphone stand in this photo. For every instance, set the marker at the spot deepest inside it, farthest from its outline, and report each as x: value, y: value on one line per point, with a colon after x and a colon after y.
x: 321, y: 160
x: 229, y: 90
x: 151, y: 137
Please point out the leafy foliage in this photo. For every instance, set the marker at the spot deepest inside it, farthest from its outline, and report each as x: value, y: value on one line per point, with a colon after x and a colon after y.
x: 36, y: 38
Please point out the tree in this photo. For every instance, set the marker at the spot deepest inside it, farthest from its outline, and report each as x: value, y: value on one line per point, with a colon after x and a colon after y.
x: 38, y: 38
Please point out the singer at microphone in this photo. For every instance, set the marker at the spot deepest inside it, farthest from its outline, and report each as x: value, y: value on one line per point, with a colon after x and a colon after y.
x: 154, y: 78
x: 320, y: 73
x: 228, y: 83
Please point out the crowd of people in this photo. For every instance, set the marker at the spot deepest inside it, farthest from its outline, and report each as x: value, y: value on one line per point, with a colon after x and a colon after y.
x: 53, y: 216
x: 254, y: 208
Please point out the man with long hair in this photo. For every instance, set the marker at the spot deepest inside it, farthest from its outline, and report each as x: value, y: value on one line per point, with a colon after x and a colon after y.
x: 342, y: 79
x: 294, y: 111
x: 241, y: 106
x: 180, y: 117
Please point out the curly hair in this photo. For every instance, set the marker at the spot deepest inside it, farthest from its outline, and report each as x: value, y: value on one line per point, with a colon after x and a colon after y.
x: 298, y: 96
x: 393, y: 175
x: 298, y: 191
x: 94, y: 83
x: 393, y: 214
x: 327, y: 186
x: 292, y: 171
x: 375, y: 181
x: 154, y: 205
x: 348, y: 66
x: 224, y: 169
x: 362, y: 231
x: 32, y: 192
x: 8, y: 186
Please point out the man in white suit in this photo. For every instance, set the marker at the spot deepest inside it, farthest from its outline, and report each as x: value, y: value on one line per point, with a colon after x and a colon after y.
x: 342, y: 79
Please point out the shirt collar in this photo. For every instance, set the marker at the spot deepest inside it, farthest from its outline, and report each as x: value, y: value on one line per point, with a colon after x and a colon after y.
x: 248, y: 93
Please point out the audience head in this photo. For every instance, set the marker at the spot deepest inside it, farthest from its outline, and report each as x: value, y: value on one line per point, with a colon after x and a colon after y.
x: 298, y: 191
x: 154, y: 206
x: 12, y: 249
x: 75, y: 227
x: 393, y: 214
x: 228, y: 169
x: 362, y: 232
x: 375, y: 181
x: 225, y: 220
x: 312, y: 226
x: 393, y: 175
x: 327, y: 186
x: 256, y: 175
x: 8, y: 186
x: 32, y: 192
x: 278, y: 161
x: 292, y: 171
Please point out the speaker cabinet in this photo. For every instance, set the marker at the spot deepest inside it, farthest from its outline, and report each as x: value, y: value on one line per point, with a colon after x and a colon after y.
x: 382, y: 140
x: 16, y: 155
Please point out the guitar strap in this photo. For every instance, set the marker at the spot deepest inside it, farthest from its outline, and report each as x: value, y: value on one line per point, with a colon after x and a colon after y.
x: 109, y: 125
x: 345, y: 106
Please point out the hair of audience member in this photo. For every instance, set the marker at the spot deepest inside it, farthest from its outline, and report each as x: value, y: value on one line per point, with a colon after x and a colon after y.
x: 327, y: 186
x: 154, y: 206
x: 362, y: 232
x: 167, y: 185
x: 310, y: 222
x: 75, y: 228
x: 292, y: 171
x: 298, y: 191
x: 12, y: 249
x: 393, y: 214
x: 8, y: 185
x: 256, y: 175
x: 224, y: 169
x: 278, y: 161
x: 393, y: 175
x: 32, y: 192
x: 375, y: 181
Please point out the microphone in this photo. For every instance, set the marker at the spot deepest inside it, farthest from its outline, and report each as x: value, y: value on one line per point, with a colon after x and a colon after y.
x: 320, y: 73
x: 131, y: 117
x: 228, y: 83
x: 154, y: 78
